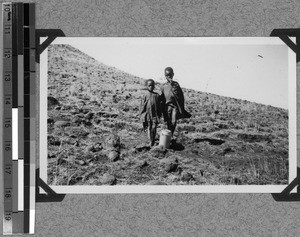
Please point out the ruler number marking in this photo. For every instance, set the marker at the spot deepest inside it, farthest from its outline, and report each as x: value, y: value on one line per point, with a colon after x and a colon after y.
x: 7, y: 30
x: 7, y: 216
x: 8, y: 193
x: 7, y: 54
x: 6, y: 8
x: 7, y: 123
x: 7, y: 147
x: 7, y: 77
x: 7, y: 100
x: 8, y: 169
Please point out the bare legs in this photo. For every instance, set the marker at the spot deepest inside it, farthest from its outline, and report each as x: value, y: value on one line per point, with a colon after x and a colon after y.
x: 171, y: 126
x: 172, y: 119
x: 152, y: 127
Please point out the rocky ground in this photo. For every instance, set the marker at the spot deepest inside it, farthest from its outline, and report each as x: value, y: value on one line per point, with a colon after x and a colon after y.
x: 95, y: 137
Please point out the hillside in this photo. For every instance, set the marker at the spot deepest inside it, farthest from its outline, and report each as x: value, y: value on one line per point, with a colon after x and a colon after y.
x: 95, y: 137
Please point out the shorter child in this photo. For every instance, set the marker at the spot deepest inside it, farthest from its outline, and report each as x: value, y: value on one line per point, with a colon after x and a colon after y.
x: 150, y: 110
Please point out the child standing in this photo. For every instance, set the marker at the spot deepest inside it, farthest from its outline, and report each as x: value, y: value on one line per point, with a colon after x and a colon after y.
x: 150, y: 110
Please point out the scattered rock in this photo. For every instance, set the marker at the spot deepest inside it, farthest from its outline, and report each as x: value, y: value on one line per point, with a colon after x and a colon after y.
x: 55, y: 143
x: 80, y: 162
x: 115, y: 99
x: 50, y: 137
x: 89, y: 148
x: 62, y: 124
x: 105, y: 114
x: 169, y: 164
x: 98, y: 147
x: 95, y: 102
x: 194, y: 151
x: 221, y: 125
x: 124, y: 133
x: 58, y: 108
x: 73, y: 136
x: 170, y: 167
x: 99, y: 157
x: 108, y: 179
x: 170, y: 159
x: 253, y: 137
x: 94, y: 148
x: 222, y: 134
x: 133, y: 151
x: 142, y: 147
x: 113, y: 141
x: 50, y: 156
x: 61, y: 161
x: 74, y: 179
x: 89, y: 115
x: 155, y: 182
x: 67, y: 107
x: 77, y: 121
x: 237, y: 181
x: 84, y: 111
x: 113, y: 156
x: 142, y: 164
x: 97, y: 120
x: 158, y: 151
x: 126, y: 108
x: 87, y: 123
x: 50, y: 121
x: 64, y: 75
x: 80, y: 115
x: 186, y: 176
x: 227, y: 150
x: 84, y: 134
x: 52, y: 101
x: 173, y: 178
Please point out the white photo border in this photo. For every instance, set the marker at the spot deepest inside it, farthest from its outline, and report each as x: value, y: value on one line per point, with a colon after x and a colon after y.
x: 88, y: 189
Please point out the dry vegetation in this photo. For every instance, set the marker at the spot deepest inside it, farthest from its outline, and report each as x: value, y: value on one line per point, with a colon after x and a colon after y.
x: 95, y: 137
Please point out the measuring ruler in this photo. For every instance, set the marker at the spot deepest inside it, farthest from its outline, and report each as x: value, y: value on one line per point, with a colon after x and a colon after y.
x: 7, y: 117
x: 19, y: 117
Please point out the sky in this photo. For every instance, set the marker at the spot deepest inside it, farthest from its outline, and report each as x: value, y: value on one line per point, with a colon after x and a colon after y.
x: 254, y: 69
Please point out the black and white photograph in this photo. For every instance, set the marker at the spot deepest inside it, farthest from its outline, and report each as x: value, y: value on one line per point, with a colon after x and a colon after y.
x: 168, y: 114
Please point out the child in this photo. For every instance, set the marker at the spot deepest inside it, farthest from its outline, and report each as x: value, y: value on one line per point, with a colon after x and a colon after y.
x: 172, y: 101
x: 150, y: 110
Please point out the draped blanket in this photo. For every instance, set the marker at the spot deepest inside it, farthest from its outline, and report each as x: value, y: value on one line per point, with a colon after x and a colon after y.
x: 172, y: 93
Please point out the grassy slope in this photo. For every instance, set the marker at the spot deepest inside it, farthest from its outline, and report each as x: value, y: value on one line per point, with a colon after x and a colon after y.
x: 227, y: 141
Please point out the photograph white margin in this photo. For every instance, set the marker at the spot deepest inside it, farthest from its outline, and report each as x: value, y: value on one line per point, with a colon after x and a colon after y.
x: 87, y: 189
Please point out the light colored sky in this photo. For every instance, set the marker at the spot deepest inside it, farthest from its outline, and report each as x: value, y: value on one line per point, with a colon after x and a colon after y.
x: 254, y: 69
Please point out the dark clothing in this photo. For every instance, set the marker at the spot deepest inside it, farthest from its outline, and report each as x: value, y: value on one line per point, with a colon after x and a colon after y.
x: 150, y: 108
x: 172, y: 95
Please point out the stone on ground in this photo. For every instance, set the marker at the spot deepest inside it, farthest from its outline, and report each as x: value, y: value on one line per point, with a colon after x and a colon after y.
x: 108, y: 179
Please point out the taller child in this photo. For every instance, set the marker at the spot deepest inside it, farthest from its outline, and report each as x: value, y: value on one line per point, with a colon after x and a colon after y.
x: 172, y: 99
